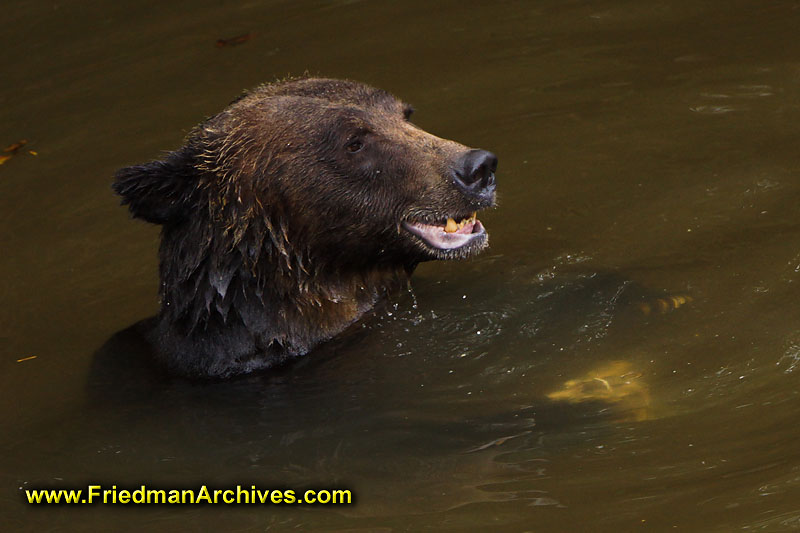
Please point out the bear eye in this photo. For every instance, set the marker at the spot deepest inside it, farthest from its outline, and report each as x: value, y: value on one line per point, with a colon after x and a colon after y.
x: 407, y: 112
x: 354, y: 146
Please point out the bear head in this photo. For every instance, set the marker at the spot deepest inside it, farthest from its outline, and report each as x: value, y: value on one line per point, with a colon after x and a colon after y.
x: 289, y: 214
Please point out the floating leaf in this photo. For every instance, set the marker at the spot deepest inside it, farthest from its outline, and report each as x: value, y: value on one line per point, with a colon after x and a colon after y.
x: 16, y: 146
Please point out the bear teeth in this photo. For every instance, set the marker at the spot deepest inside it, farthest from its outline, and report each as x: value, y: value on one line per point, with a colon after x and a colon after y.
x: 452, y: 226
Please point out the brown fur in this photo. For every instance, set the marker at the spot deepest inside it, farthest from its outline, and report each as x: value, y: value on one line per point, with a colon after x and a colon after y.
x: 282, y: 220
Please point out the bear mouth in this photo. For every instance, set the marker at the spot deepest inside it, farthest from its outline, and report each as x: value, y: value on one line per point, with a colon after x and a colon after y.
x: 449, y: 235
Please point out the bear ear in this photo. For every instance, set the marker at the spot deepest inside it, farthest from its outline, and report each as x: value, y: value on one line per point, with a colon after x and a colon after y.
x: 159, y: 191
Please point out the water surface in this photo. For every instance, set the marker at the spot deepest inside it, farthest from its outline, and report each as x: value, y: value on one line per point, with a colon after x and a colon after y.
x: 648, y: 150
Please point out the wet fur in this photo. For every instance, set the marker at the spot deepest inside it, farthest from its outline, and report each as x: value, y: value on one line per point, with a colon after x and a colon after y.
x: 274, y: 236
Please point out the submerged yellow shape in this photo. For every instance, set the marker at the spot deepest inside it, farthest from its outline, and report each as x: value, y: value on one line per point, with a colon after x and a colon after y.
x: 664, y: 305
x: 615, y: 383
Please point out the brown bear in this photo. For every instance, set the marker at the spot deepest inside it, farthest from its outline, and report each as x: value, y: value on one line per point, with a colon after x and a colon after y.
x: 288, y: 215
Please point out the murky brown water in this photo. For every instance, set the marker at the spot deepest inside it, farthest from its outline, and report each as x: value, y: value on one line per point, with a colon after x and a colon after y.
x: 648, y: 150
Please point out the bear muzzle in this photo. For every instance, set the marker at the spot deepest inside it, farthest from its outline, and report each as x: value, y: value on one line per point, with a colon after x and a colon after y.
x: 457, y: 235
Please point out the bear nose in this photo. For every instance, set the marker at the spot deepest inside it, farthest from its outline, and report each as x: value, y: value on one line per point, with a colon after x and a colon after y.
x: 475, y: 170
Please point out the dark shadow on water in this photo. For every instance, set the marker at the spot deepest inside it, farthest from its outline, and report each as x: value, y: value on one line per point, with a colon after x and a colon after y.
x: 124, y: 369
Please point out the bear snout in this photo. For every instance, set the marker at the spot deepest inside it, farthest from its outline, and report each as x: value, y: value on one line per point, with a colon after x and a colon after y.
x: 474, y: 172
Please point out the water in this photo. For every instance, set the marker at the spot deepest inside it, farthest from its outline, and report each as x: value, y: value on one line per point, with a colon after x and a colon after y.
x: 647, y: 151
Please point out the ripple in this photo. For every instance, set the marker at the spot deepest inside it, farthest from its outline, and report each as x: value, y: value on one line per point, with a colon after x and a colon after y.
x: 791, y: 357
x: 712, y: 109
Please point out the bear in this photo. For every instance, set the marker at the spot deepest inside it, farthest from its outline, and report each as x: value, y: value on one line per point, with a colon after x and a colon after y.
x: 290, y: 214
